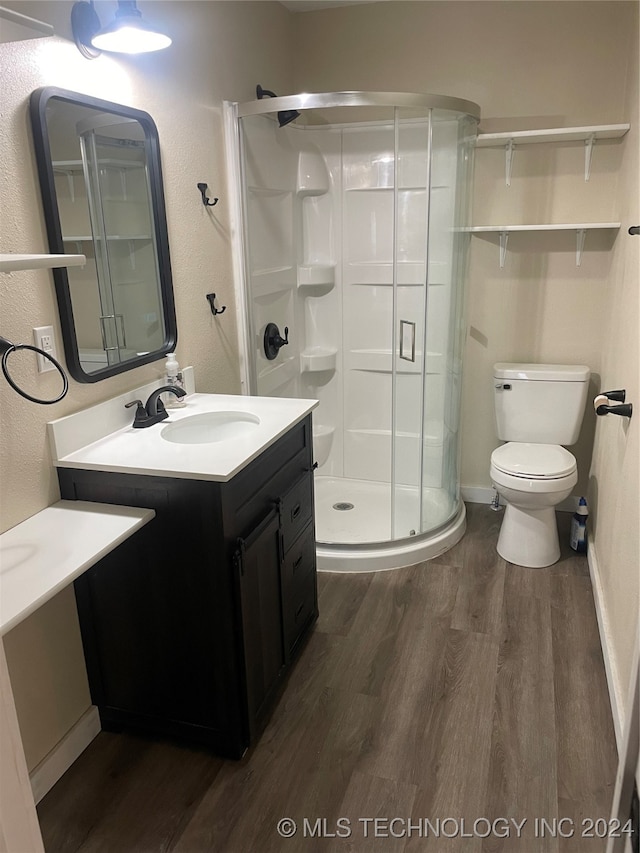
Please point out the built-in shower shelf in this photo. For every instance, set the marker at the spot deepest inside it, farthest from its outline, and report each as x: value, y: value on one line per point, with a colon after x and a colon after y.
x: 408, y: 273
x: 306, y: 192
x: 267, y: 282
x: 322, y: 441
x: 580, y: 228
x: 380, y: 361
x: 313, y: 178
x: 317, y: 275
x: 268, y: 191
x: 390, y: 188
x: 318, y: 359
x: 273, y: 378
x: 588, y: 135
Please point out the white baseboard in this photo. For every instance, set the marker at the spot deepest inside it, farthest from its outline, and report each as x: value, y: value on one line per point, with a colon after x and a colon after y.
x: 484, y: 495
x: 616, y: 694
x: 59, y: 760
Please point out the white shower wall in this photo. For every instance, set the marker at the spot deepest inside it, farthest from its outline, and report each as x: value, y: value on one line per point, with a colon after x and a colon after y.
x: 321, y: 207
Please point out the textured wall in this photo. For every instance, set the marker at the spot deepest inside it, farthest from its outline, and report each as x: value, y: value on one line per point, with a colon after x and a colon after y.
x: 220, y: 51
x: 613, y: 486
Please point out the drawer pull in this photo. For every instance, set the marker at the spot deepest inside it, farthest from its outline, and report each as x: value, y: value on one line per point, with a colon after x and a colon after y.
x: 295, y: 512
x: 300, y: 609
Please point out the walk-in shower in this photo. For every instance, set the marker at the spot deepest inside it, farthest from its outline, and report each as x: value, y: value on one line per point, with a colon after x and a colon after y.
x: 350, y: 234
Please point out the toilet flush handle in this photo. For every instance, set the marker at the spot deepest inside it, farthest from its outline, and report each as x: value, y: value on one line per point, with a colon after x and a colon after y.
x: 506, y: 386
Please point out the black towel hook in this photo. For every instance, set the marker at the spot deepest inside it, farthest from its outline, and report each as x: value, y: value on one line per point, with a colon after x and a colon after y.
x: 204, y: 189
x: 212, y: 302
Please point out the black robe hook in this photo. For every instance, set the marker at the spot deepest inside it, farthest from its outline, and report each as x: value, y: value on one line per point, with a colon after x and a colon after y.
x: 212, y: 302
x: 204, y: 189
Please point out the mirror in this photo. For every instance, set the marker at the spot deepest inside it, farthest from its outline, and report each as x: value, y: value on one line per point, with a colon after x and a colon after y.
x: 101, y: 182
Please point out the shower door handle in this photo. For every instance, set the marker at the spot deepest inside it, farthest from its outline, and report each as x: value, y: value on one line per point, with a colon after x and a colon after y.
x: 407, y: 340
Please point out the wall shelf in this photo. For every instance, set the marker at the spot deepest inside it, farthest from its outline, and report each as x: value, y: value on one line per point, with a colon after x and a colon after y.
x: 65, y: 166
x: 580, y: 228
x: 12, y: 263
x: 18, y: 27
x: 588, y: 135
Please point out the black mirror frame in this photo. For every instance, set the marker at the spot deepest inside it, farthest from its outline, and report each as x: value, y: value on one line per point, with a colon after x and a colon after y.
x: 38, y: 104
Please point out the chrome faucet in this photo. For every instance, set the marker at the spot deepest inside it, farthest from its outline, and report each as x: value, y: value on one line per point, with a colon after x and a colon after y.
x: 153, y: 411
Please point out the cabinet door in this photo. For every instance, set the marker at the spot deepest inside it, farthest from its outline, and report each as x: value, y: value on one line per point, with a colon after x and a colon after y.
x: 258, y: 562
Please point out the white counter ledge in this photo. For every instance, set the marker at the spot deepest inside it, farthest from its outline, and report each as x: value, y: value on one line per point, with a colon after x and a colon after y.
x: 77, y: 440
x: 45, y: 553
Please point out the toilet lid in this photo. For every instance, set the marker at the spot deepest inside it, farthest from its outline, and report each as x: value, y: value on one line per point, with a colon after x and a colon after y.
x: 537, y: 461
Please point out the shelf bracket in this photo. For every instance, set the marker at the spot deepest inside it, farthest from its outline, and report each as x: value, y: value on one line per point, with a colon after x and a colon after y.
x: 588, y: 151
x: 504, y: 239
x: 508, y: 165
x: 581, y: 233
x: 72, y: 187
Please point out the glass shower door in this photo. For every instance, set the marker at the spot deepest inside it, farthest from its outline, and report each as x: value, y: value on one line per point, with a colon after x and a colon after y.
x: 453, y: 138
x: 409, y: 350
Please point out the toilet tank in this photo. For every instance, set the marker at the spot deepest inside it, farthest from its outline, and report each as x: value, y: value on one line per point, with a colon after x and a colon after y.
x: 540, y: 403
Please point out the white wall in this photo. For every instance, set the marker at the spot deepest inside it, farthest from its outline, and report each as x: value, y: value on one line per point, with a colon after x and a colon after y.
x: 220, y: 51
x: 613, y: 485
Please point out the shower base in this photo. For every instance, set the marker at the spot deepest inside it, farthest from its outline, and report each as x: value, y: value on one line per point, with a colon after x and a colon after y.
x: 359, y: 539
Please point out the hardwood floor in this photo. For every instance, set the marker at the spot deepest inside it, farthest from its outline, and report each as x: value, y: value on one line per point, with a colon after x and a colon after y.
x: 457, y: 691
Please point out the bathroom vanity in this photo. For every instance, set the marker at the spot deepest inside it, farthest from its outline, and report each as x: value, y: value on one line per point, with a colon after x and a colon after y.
x: 190, y: 627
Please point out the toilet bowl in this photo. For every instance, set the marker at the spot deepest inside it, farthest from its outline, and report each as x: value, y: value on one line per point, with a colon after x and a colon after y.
x: 532, y: 479
x: 538, y: 408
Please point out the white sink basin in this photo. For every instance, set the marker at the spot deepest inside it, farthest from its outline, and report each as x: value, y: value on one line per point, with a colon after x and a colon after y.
x: 209, y: 427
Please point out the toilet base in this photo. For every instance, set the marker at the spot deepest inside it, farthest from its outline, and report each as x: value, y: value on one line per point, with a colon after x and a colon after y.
x: 529, y: 537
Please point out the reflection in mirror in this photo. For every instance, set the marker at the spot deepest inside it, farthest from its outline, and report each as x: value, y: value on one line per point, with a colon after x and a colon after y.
x: 99, y: 167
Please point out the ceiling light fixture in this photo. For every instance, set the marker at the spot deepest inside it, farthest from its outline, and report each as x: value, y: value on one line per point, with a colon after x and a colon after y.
x: 128, y: 33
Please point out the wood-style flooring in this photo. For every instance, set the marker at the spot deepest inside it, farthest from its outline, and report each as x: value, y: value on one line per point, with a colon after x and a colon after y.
x: 466, y: 692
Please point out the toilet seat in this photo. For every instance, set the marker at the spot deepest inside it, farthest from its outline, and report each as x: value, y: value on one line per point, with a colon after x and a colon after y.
x: 542, y: 462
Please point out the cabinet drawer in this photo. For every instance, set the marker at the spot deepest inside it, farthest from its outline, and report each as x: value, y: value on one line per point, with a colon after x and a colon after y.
x: 300, y: 609
x: 296, y: 510
x: 299, y: 561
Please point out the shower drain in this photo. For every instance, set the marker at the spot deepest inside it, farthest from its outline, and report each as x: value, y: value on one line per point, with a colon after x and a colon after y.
x: 342, y: 506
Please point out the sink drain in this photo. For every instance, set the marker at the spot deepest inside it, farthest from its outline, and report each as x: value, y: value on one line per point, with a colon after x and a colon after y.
x: 342, y: 506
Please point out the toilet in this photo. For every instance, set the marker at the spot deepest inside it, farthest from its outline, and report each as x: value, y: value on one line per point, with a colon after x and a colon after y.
x: 539, y: 408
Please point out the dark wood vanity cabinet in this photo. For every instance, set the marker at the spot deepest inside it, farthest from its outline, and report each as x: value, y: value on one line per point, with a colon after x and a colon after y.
x: 190, y: 627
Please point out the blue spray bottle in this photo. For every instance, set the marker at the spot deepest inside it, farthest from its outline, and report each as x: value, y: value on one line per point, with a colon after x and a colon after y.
x: 579, y: 527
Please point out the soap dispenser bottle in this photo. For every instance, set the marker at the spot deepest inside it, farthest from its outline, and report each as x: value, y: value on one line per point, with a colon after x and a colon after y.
x: 173, y: 377
x: 579, y: 527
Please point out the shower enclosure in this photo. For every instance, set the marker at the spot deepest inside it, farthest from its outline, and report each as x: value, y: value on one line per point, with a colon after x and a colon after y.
x: 350, y: 235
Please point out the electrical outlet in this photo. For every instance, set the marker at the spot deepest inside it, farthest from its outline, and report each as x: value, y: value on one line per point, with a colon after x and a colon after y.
x: 45, y: 340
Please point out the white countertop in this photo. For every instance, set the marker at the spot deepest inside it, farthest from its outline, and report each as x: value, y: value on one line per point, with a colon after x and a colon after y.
x: 145, y: 451
x: 43, y: 554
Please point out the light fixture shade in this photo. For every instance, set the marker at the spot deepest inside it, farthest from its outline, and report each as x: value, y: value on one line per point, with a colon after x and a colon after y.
x: 129, y: 33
